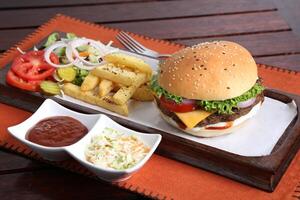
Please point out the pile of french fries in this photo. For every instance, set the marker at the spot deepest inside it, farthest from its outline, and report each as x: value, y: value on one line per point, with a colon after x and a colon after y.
x: 113, y: 84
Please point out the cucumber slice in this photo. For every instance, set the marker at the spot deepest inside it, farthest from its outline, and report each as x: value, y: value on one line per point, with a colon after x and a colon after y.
x: 68, y: 74
x: 50, y: 87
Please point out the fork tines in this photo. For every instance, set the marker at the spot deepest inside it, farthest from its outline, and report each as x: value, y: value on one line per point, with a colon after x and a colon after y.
x: 130, y: 43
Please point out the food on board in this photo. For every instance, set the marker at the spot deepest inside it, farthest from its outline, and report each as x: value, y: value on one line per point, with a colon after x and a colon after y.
x: 85, y: 69
x: 208, y: 89
x: 30, y: 69
x: 115, y: 150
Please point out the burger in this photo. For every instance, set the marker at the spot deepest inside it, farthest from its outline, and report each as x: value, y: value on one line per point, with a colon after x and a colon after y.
x: 209, y: 89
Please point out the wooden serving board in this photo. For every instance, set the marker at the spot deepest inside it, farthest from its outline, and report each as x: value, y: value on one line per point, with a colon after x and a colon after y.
x: 262, y: 172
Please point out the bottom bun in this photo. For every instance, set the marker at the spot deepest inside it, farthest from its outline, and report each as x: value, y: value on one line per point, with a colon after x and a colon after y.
x: 204, y: 132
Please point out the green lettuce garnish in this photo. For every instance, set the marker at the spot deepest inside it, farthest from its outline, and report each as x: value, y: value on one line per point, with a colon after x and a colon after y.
x: 226, y: 106
x: 71, y: 36
x: 51, y: 39
x: 159, y: 91
x: 221, y: 107
x: 80, y: 76
x: 55, y: 37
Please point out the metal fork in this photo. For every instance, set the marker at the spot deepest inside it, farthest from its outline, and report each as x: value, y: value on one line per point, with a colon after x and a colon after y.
x: 136, y: 47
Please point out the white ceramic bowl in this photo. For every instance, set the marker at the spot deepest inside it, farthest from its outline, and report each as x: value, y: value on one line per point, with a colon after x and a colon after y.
x: 95, y: 124
x: 77, y: 150
x: 49, y: 108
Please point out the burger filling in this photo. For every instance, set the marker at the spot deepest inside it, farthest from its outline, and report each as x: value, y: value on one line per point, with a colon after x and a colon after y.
x: 190, y: 113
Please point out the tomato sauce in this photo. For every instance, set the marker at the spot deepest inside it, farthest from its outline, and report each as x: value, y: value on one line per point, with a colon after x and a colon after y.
x: 57, y: 131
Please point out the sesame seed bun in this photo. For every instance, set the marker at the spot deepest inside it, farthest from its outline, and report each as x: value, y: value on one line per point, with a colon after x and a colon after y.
x: 209, y: 71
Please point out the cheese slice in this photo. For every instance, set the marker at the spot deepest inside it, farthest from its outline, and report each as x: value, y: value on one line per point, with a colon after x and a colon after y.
x: 191, y: 119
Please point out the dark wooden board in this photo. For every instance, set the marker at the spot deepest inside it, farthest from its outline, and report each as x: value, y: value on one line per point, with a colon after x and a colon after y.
x: 262, y: 172
x: 207, y: 26
x: 56, y: 184
x: 11, y: 163
x: 184, y: 28
x: 21, y: 4
x: 135, y: 11
x: 262, y: 44
x: 286, y: 61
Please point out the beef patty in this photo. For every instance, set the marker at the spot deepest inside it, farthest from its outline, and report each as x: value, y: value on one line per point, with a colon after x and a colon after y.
x: 215, y: 117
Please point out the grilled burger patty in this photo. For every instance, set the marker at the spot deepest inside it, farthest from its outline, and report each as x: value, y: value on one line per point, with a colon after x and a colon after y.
x: 214, y: 118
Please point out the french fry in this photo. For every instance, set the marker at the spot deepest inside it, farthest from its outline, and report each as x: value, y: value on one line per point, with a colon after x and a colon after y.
x: 89, y: 97
x: 140, y: 79
x: 89, y: 83
x: 115, y: 74
x: 124, y: 94
x: 132, y: 62
x: 105, y: 87
x: 143, y: 93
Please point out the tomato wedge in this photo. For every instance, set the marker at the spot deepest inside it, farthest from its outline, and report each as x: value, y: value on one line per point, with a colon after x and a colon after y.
x: 32, y: 66
x: 18, y: 82
x: 185, y: 106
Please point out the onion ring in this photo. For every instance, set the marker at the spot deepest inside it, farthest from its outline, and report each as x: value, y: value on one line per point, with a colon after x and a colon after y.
x: 50, y: 49
x: 247, y: 103
x: 72, y: 53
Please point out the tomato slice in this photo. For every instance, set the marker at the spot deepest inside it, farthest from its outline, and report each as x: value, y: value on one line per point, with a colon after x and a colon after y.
x: 18, y: 82
x: 185, y: 106
x: 32, y: 65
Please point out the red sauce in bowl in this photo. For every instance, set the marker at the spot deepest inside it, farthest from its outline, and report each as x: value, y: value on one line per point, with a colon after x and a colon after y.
x: 57, y: 131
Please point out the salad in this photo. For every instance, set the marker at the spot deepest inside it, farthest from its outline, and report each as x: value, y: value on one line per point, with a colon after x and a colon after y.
x: 59, y: 60
x: 115, y: 150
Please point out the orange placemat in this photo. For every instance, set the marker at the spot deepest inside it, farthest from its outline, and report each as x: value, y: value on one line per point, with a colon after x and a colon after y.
x: 161, y: 177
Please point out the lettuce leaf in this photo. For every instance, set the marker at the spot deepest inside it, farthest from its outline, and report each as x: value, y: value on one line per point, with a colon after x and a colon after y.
x: 71, y: 36
x: 226, y: 106
x: 159, y: 91
x: 221, y: 107
x: 51, y: 39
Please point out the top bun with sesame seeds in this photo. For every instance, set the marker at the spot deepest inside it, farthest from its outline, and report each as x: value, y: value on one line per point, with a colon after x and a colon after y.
x: 209, y: 71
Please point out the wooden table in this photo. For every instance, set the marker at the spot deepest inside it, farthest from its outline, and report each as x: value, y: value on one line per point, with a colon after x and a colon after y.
x: 255, y: 24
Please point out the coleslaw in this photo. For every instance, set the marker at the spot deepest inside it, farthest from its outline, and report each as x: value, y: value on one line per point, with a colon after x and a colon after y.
x: 115, y: 150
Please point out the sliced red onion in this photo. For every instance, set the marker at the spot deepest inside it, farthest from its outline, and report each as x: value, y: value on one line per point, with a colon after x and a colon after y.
x: 188, y: 101
x: 50, y: 49
x: 80, y: 65
x: 73, y: 55
x: 245, y: 104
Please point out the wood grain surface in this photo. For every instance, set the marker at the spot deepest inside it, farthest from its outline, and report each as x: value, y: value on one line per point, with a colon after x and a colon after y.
x: 256, y: 24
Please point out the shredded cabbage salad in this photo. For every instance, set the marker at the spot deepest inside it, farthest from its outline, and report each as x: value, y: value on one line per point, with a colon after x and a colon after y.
x: 112, y: 149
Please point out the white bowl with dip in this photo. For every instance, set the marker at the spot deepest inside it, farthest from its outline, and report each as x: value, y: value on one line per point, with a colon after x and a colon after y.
x: 77, y: 150
x: 49, y: 108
